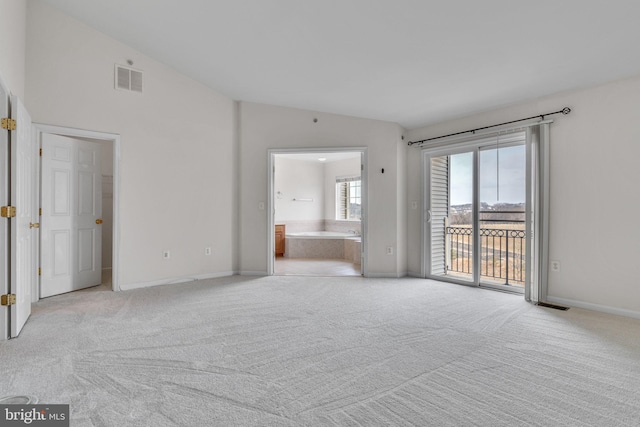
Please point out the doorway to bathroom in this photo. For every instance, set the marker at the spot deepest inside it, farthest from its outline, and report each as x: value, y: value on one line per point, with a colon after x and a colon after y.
x: 317, y: 212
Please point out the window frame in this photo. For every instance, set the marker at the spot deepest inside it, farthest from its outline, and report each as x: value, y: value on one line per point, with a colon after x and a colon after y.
x: 344, y: 197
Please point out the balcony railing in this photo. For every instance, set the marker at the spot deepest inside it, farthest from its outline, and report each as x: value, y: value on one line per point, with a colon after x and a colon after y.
x: 502, y: 255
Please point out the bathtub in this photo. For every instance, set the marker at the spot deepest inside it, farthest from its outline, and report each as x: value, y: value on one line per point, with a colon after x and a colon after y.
x: 324, y: 245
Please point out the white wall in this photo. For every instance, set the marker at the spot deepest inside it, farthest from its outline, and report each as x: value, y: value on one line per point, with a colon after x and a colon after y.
x: 177, y: 156
x: 333, y: 170
x: 594, y: 192
x: 264, y: 127
x: 299, y: 179
x: 12, y: 44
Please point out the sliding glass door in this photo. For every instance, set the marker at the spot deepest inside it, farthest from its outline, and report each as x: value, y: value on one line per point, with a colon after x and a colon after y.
x: 502, y: 213
x: 475, y: 213
x: 450, y: 215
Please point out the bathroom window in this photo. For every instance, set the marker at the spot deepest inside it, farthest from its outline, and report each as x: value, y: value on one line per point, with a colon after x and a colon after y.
x: 349, y: 198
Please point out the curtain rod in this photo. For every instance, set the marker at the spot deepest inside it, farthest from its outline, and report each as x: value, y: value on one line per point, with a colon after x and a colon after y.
x: 565, y: 111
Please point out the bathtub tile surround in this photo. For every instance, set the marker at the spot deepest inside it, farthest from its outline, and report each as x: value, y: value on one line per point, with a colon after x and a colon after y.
x: 321, y: 235
x: 314, y: 248
x: 342, y: 226
x: 323, y: 245
x: 298, y: 226
x: 352, y: 250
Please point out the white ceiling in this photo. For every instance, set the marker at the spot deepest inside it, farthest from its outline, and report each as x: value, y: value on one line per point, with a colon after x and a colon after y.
x: 407, y: 61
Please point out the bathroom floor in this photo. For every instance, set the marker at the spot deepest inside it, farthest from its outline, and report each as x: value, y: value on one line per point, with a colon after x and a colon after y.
x: 315, y: 267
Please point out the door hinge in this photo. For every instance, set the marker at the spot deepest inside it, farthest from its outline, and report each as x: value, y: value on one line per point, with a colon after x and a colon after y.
x: 41, y: 152
x: 8, y: 211
x: 40, y: 211
x: 8, y: 124
x: 9, y: 299
x: 39, y: 271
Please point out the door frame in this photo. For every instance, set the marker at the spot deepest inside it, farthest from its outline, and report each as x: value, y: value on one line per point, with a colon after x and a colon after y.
x: 271, y: 153
x: 40, y: 129
x: 5, y: 111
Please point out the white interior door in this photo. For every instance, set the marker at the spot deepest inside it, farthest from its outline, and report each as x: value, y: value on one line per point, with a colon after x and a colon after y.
x: 23, y: 184
x: 4, y: 201
x: 71, y: 242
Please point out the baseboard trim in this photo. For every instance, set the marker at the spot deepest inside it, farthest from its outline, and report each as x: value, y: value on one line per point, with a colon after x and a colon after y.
x: 595, y: 307
x: 414, y: 275
x: 253, y: 273
x: 175, y: 280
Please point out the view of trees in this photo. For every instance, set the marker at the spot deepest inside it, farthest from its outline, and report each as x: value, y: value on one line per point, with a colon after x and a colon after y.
x: 507, y: 212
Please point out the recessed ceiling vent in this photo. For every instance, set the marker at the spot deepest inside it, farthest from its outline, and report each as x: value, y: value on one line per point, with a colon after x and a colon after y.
x: 128, y: 79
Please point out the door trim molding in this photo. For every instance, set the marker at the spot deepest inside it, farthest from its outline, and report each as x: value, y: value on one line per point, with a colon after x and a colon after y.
x: 39, y: 129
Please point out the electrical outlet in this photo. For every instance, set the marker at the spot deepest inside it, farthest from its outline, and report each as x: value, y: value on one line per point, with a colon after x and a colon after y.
x: 389, y: 250
x: 166, y: 254
x: 555, y: 266
x: 207, y: 251
x: 414, y: 204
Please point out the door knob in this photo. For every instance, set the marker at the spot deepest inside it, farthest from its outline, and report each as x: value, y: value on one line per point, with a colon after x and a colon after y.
x: 34, y: 225
x: 98, y: 221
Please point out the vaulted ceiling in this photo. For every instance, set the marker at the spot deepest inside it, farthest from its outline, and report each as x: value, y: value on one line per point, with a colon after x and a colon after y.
x: 414, y: 62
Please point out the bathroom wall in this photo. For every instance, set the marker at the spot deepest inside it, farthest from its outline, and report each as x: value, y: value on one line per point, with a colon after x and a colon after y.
x: 299, y: 194
x: 315, y: 183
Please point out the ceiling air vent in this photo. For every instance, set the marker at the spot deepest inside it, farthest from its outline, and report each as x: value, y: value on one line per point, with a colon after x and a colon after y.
x: 128, y: 79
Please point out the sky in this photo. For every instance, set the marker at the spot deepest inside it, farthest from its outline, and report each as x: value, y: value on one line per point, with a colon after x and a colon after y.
x: 510, y: 176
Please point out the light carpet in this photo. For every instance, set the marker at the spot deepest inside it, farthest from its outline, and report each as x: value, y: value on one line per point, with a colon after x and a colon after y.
x: 290, y: 351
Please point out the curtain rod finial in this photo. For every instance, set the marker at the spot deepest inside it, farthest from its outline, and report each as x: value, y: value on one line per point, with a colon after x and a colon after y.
x: 566, y: 110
